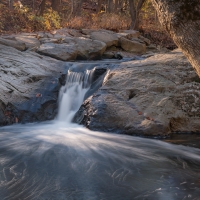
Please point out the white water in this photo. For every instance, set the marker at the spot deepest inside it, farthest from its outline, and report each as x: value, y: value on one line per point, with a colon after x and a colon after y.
x: 72, y: 94
x: 65, y: 161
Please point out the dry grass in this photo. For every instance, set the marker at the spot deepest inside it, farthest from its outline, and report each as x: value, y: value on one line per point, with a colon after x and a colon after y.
x: 99, y: 21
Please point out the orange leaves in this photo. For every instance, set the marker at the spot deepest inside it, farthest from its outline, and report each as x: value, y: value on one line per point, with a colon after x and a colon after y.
x: 38, y: 95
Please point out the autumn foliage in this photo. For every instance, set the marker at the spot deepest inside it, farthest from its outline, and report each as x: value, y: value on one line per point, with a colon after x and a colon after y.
x: 25, y: 17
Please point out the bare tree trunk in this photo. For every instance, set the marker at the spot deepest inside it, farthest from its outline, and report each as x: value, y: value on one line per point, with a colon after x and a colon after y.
x: 99, y: 6
x: 55, y: 4
x: 116, y: 5
x: 72, y: 7
x: 132, y: 13
x: 121, y: 5
x: 42, y: 7
x: 139, y: 7
x: 33, y: 5
x: 76, y: 6
x: 79, y: 7
x: 109, y: 6
x: 181, y: 18
x: 11, y: 4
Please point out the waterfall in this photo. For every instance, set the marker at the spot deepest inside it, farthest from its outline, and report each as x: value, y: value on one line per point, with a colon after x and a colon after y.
x: 72, y: 94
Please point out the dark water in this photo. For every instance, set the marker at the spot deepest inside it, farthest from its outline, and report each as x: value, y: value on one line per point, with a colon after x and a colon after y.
x: 56, y: 162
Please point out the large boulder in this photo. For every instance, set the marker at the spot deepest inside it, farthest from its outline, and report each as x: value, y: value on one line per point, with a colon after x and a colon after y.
x: 12, y: 42
x: 111, y: 39
x: 28, y: 86
x: 59, y: 51
x: 74, y: 48
x: 132, y: 46
x: 152, y: 97
x: 31, y: 41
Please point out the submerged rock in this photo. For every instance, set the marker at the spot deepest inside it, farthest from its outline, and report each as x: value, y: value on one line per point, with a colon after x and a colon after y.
x: 151, y: 97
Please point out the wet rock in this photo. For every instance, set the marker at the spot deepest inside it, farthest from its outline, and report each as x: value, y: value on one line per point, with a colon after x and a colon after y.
x: 110, y: 55
x: 146, y: 98
x: 28, y: 86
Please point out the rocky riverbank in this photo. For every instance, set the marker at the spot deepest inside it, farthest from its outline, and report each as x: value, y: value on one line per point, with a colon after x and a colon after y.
x: 153, y: 96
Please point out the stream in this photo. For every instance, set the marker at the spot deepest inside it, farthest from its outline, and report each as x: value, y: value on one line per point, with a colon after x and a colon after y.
x: 59, y: 160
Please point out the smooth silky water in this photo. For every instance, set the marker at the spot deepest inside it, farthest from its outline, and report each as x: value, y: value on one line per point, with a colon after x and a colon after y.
x: 59, y: 160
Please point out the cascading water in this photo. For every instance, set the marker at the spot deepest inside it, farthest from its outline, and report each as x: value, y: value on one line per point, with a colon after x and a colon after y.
x: 72, y: 94
x: 59, y: 161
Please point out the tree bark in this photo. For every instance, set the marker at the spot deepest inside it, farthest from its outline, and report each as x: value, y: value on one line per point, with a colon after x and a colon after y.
x: 132, y: 13
x: 79, y: 8
x: 116, y: 5
x: 72, y: 8
x: 11, y: 4
x: 181, y: 19
x: 55, y: 4
x: 99, y: 6
x: 110, y: 6
x: 42, y: 7
x: 138, y: 8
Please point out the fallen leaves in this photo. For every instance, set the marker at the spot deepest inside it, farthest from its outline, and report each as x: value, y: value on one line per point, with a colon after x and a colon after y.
x: 146, y: 117
x: 38, y: 95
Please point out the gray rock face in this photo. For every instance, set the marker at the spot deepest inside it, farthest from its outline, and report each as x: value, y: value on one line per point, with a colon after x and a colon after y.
x: 156, y: 96
x: 28, y: 86
x: 132, y: 46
